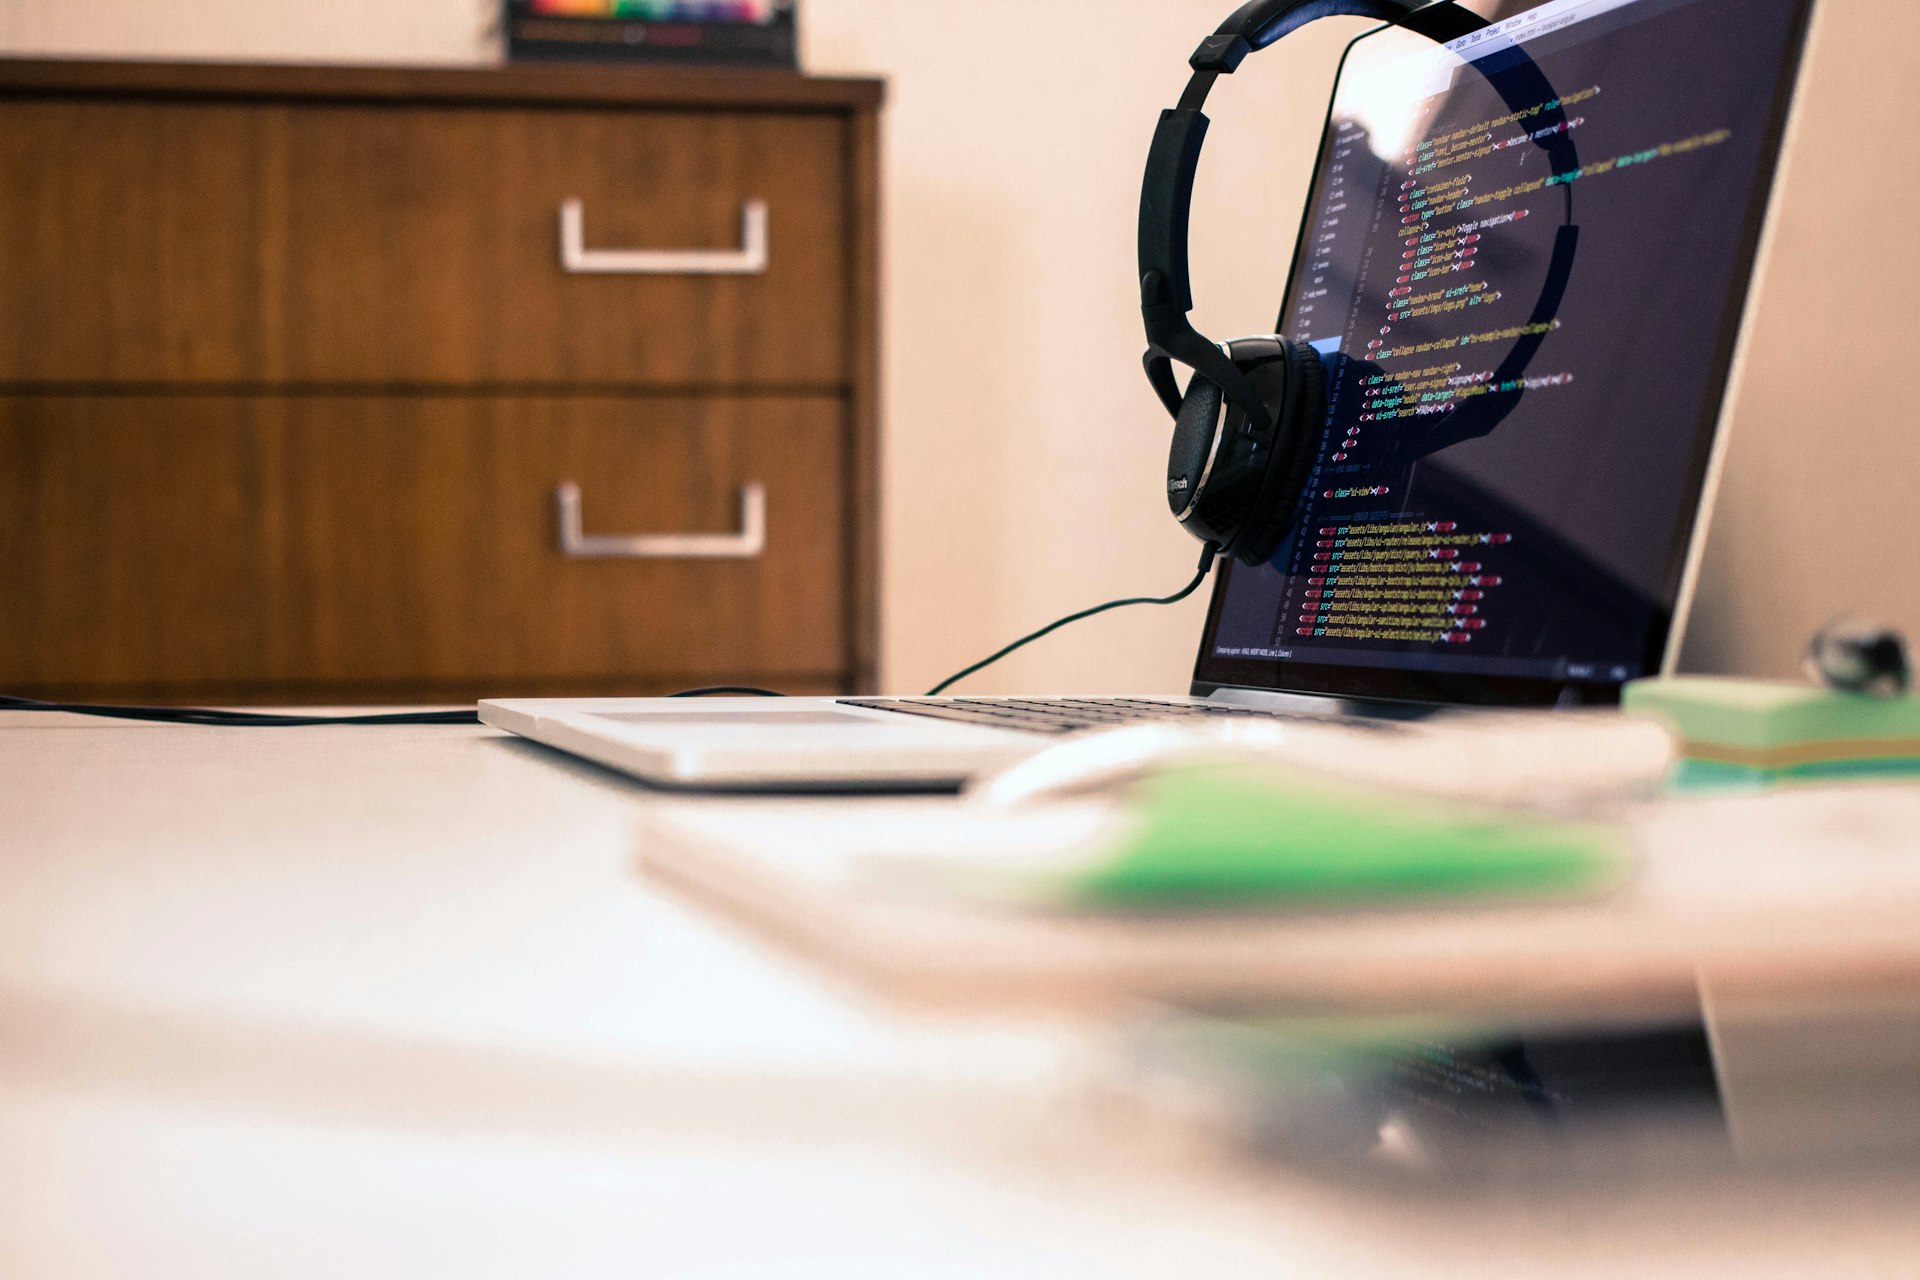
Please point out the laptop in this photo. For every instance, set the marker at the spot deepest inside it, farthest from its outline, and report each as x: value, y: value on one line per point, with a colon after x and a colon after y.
x: 1543, y: 563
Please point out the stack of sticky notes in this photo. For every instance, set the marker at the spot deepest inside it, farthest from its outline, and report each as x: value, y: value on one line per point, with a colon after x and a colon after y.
x: 1755, y: 732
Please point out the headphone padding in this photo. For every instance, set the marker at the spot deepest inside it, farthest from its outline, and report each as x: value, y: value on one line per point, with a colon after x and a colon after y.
x: 1193, y: 435
x: 1299, y: 418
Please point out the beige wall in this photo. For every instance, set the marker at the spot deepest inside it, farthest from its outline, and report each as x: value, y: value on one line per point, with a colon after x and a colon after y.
x: 1816, y: 514
x: 1023, y: 455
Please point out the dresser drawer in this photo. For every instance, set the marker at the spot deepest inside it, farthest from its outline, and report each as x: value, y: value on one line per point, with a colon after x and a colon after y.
x: 366, y: 543
x: 326, y: 245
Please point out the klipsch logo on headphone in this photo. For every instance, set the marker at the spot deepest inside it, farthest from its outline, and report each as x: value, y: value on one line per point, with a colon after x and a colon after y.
x: 1177, y: 486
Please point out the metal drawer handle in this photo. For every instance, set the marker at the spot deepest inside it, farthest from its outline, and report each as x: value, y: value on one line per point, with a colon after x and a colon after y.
x: 748, y: 544
x: 750, y: 259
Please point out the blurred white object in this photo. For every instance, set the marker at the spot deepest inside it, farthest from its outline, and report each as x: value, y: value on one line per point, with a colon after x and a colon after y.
x: 1562, y: 761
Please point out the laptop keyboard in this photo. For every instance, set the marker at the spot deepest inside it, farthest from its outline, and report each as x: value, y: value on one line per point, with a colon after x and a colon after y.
x: 1074, y: 715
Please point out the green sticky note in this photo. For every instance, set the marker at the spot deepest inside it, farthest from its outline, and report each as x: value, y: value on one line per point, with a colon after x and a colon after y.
x: 1766, y: 716
x: 1225, y: 837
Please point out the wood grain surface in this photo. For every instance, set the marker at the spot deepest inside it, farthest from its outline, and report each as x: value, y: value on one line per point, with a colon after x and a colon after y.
x: 370, y: 543
x: 289, y: 368
x: 714, y: 88
x: 219, y: 244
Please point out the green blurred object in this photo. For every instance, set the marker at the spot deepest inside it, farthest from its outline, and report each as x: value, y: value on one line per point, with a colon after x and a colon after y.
x: 1765, y: 715
x: 1717, y: 775
x: 1753, y: 733
x: 1210, y: 838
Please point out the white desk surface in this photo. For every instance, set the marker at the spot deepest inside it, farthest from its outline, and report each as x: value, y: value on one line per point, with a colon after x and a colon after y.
x: 392, y: 1002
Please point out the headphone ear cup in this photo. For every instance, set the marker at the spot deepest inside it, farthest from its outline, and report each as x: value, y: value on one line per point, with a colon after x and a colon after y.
x: 1211, y: 478
x: 1194, y: 432
x: 1298, y: 418
x: 1239, y: 491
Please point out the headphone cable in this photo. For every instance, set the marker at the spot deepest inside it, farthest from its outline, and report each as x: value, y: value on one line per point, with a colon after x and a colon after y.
x: 1207, y: 554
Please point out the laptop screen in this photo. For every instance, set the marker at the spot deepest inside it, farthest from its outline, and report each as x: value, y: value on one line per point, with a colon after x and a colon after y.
x: 1534, y: 555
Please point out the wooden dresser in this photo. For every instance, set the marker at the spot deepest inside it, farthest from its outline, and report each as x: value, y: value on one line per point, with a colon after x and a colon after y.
x: 335, y: 385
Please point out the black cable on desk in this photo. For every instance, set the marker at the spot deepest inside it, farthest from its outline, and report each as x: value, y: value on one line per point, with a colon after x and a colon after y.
x: 276, y: 720
x: 235, y: 719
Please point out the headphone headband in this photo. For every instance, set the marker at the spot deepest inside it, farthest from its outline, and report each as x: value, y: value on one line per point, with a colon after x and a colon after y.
x: 1258, y: 23
x: 1166, y: 193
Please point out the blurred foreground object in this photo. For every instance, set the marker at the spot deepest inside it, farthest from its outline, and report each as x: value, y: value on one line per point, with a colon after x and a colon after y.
x: 1569, y: 762
x: 1250, y: 836
x: 1808, y: 892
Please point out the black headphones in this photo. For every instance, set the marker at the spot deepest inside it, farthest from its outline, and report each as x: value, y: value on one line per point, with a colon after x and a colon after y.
x: 1246, y: 428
